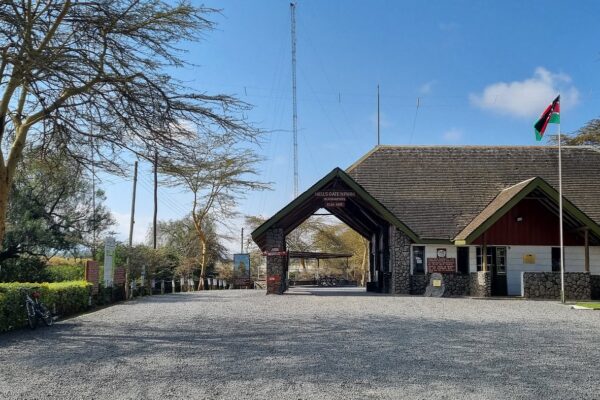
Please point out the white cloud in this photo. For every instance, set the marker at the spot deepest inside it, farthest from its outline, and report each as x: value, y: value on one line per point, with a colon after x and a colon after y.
x: 452, y: 135
x: 427, y: 87
x: 527, y: 98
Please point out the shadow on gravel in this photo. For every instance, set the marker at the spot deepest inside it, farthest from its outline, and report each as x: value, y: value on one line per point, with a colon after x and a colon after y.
x: 369, y: 351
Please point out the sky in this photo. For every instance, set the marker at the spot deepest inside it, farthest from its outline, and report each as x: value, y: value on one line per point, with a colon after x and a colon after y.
x: 450, y: 73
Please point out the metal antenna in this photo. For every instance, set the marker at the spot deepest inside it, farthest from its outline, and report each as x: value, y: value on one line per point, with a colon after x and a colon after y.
x: 294, y: 107
x: 378, y: 130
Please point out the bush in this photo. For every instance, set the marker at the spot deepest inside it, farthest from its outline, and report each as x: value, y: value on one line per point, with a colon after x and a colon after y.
x: 62, y: 273
x: 23, y: 269
x: 62, y: 298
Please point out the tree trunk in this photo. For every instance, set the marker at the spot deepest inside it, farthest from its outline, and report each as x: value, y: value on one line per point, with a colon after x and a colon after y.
x: 202, y: 260
x: 364, y: 266
x: 4, y: 193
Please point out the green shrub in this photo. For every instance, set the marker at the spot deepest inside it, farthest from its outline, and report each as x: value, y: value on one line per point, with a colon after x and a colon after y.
x: 66, y: 272
x: 23, y: 269
x: 63, y: 298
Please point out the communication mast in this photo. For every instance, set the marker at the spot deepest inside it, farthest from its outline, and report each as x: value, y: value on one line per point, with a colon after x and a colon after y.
x: 294, y: 106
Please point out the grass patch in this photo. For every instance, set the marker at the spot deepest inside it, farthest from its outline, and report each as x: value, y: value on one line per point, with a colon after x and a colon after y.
x: 594, y: 306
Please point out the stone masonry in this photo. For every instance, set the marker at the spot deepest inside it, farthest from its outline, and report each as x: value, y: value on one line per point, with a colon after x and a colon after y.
x: 480, y: 284
x: 276, y: 264
x: 400, y: 261
x: 595, y: 282
x: 546, y: 285
x: 455, y: 284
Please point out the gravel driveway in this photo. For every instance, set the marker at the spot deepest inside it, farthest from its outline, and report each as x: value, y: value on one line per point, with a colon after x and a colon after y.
x: 309, y: 344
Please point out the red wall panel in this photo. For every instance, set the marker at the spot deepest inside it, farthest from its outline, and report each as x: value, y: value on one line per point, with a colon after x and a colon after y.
x: 539, y: 227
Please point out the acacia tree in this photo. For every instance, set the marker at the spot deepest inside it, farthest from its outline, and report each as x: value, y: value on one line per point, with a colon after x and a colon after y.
x: 50, y: 209
x: 217, y: 175
x: 88, y: 80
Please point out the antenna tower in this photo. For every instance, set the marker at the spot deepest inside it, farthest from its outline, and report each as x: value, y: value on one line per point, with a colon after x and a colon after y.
x: 294, y: 105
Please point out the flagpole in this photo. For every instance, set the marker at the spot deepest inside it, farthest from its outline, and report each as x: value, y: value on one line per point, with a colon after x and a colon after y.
x: 560, y: 213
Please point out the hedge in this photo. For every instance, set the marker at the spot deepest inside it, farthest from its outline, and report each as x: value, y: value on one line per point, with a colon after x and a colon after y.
x: 62, y: 298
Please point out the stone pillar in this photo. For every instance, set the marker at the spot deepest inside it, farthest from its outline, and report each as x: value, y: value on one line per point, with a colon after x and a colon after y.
x: 276, y: 263
x: 480, y: 284
x: 399, y: 261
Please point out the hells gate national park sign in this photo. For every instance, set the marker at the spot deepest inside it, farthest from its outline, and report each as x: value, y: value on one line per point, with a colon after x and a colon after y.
x: 334, y: 198
x: 441, y: 263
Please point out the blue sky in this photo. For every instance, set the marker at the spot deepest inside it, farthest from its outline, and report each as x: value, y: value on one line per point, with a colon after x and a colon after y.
x: 481, y: 71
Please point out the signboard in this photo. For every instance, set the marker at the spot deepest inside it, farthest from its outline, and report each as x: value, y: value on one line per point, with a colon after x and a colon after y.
x: 334, y: 198
x: 241, y: 265
x: 119, y: 277
x: 442, y: 265
x: 528, y: 258
x: 92, y: 273
x: 110, y: 244
x: 273, y: 278
x: 436, y: 283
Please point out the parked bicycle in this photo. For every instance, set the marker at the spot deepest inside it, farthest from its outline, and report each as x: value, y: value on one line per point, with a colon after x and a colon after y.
x: 36, y: 309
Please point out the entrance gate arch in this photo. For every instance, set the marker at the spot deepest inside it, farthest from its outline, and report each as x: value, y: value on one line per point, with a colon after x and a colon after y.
x: 389, y: 239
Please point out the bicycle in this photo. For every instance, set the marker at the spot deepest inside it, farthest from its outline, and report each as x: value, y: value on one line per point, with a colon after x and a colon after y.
x: 36, y: 309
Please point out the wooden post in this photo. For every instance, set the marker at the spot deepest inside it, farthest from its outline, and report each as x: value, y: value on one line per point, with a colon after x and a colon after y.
x: 587, y: 250
x: 131, y: 223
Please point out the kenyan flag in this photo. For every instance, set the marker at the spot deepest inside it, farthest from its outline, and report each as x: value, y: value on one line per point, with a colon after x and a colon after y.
x: 550, y: 116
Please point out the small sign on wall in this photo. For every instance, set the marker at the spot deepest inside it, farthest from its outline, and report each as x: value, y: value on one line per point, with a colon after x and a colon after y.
x: 528, y: 258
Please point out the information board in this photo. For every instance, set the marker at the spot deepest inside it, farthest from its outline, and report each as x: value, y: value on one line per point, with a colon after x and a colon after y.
x: 241, y: 266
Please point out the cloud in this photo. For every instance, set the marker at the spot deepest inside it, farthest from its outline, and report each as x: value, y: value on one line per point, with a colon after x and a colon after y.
x: 427, y: 87
x: 452, y: 135
x: 527, y: 98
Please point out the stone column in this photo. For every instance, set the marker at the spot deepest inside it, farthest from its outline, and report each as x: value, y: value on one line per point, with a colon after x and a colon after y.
x: 399, y: 261
x: 276, y: 263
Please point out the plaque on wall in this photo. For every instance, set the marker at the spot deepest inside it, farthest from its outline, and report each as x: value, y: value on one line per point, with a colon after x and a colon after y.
x: 443, y: 265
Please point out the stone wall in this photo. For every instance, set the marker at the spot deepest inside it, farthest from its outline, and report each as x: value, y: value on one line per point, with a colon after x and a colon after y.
x: 418, y: 283
x: 276, y: 264
x: 480, y: 284
x: 546, y: 285
x: 400, y: 262
x: 595, y: 282
x: 454, y: 284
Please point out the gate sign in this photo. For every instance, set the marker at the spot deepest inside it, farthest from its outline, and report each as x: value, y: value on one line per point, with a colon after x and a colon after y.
x: 91, y: 275
x: 241, y: 265
x: 334, y: 198
x: 442, y: 265
x: 110, y: 245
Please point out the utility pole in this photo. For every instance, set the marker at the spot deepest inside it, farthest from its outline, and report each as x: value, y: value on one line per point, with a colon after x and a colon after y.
x: 242, y: 242
x: 155, y: 200
x: 294, y: 105
x: 378, y: 130
x: 93, y: 200
x: 131, y: 223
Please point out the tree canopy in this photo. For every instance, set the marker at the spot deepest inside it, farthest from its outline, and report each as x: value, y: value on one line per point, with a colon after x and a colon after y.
x: 89, y: 80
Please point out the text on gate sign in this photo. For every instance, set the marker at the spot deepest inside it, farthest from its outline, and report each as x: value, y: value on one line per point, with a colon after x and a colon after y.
x: 334, y: 198
x: 441, y: 265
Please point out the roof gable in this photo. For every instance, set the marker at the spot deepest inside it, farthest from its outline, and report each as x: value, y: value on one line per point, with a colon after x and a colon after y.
x: 298, y: 205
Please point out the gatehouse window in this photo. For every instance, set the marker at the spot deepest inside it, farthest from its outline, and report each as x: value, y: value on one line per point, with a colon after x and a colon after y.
x: 418, y: 260
x: 556, y: 259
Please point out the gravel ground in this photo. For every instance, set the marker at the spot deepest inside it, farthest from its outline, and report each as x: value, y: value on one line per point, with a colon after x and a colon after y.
x: 309, y: 344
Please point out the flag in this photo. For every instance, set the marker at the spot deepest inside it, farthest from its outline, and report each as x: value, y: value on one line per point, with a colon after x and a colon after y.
x: 550, y: 116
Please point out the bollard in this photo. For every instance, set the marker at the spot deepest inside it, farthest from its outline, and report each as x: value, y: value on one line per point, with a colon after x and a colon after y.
x: 162, y: 286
